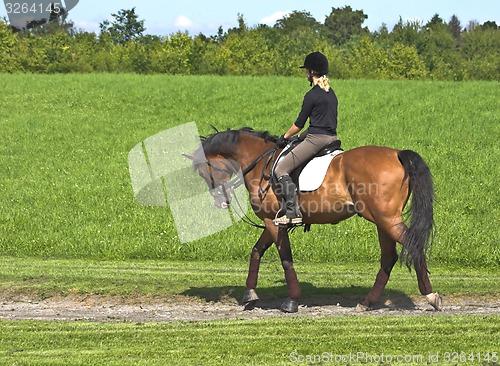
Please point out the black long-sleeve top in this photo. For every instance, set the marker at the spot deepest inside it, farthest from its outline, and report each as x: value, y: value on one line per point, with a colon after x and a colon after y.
x: 321, y: 108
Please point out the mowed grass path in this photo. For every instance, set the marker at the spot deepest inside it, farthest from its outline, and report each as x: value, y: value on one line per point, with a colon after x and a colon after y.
x: 223, y: 280
x: 64, y: 182
x: 409, y: 340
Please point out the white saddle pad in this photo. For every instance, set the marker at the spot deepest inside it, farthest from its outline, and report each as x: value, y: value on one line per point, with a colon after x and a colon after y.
x: 314, y: 172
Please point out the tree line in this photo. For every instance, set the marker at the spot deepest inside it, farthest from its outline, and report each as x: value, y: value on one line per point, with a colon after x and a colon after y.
x: 437, y: 50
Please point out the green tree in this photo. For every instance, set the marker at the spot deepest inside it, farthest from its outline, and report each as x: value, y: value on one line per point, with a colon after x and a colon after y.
x: 364, y: 58
x: 454, y: 27
x: 242, y: 27
x: 126, y: 26
x: 178, y: 50
x: 245, y: 53
x: 9, y: 62
x: 402, y: 61
x: 411, y: 51
x: 84, y: 49
x: 57, y: 22
x: 435, y: 23
x: 408, y: 33
x: 291, y: 39
x: 440, y: 52
x: 489, y: 25
x: 297, y: 21
x: 344, y: 23
x: 480, y: 51
x: 32, y: 53
x: 291, y: 50
x: 382, y: 34
x: 200, y: 46
x: 480, y: 43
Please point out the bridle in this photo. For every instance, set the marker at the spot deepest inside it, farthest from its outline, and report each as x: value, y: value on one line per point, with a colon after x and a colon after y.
x: 230, y: 186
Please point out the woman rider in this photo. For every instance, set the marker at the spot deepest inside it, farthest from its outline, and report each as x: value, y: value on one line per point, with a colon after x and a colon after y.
x: 320, y: 106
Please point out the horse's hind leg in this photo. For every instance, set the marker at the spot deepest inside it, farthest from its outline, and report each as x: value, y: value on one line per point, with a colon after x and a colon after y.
x: 388, y: 258
x: 250, y: 297
x: 424, y: 285
x: 388, y: 235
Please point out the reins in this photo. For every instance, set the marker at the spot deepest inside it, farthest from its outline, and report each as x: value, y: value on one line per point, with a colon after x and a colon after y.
x: 237, y: 181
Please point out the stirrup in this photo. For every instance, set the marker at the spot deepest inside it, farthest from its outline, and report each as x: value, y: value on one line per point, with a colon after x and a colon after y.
x: 285, y: 220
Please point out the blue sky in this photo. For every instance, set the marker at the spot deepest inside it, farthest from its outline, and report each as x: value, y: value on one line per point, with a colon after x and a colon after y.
x: 195, y: 16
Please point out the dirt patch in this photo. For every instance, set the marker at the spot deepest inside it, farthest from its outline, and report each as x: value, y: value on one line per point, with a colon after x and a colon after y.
x: 146, y: 309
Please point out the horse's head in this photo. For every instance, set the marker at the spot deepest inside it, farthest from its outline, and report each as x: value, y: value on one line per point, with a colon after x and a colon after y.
x: 217, y: 173
x: 220, y: 157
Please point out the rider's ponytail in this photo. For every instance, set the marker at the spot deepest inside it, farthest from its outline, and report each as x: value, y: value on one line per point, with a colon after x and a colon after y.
x: 324, y: 83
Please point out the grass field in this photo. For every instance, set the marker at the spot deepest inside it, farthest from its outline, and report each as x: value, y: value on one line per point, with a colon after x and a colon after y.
x: 69, y: 224
x: 66, y: 191
x: 403, y: 340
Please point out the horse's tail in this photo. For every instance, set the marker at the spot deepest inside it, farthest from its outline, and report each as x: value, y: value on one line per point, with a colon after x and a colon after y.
x: 418, y: 237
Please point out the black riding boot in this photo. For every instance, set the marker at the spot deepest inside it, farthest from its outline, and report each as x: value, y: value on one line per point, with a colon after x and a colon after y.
x: 290, y: 205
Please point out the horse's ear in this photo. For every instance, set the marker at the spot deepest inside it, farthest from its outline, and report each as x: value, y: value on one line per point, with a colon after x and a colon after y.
x: 189, y: 156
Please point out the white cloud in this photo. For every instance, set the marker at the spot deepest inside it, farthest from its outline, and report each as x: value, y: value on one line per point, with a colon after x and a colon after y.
x: 183, y: 21
x: 271, y: 19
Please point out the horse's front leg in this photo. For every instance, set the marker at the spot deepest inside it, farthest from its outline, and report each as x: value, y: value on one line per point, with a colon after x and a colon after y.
x: 291, y: 304
x: 250, y: 297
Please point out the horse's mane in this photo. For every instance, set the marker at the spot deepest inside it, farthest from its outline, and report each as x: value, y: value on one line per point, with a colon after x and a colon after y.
x: 226, y: 142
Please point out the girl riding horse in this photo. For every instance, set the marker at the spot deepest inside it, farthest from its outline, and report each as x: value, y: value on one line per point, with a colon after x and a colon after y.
x: 320, y: 106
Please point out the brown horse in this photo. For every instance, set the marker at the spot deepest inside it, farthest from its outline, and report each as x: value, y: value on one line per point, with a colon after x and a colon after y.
x: 372, y: 182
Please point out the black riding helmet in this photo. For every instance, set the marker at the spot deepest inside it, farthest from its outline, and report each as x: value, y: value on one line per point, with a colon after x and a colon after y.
x: 316, y: 61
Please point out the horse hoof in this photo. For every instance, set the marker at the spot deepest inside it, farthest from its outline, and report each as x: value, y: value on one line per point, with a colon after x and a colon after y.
x: 290, y: 306
x: 360, y: 308
x: 435, y: 300
x: 250, y: 298
x: 249, y: 305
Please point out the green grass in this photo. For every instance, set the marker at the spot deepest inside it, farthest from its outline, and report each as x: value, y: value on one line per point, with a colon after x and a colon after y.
x: 214, y: 281
x: 65, y: 190
x: 251, y: 342
x: 269, y: 342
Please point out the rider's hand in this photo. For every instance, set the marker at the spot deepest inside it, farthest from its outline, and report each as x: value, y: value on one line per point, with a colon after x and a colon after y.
x: 282, y: 141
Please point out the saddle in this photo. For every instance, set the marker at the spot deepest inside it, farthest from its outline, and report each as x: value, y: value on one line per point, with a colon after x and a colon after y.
x: 309, y: 176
